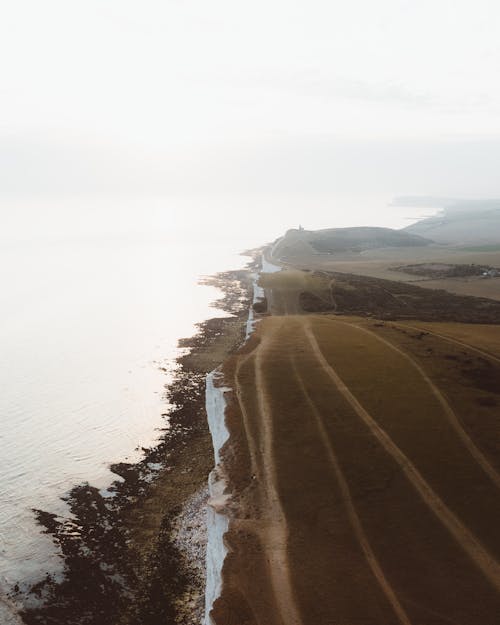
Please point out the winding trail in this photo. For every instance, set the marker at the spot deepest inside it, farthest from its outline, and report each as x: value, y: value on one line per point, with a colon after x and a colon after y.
x: 276, y: 537
x: 357, y: 526
x: 249, y: 438
x: 273, y: 533
x: 475, y: 452
x: 450, y: 339
x: 483, y: 559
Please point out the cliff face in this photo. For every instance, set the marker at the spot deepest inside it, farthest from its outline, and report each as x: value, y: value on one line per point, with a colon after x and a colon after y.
x: 217, y: 522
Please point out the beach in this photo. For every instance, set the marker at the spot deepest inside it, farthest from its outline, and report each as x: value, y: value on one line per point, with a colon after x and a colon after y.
x: 139, y: 554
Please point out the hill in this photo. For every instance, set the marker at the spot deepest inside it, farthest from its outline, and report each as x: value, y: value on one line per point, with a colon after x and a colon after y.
x: 341, y: 240
x: 463, y: 223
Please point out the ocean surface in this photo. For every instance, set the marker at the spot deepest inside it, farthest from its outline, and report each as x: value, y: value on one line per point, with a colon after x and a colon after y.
x: 84, y: 327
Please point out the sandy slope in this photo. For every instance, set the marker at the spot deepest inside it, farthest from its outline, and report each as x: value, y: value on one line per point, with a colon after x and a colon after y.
x: 364, y: 467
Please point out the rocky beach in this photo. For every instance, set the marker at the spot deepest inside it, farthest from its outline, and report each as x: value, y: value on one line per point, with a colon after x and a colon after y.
x: 135, y: 553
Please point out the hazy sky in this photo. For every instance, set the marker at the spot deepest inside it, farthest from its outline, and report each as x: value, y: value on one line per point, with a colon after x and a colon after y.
x: 274, y: 98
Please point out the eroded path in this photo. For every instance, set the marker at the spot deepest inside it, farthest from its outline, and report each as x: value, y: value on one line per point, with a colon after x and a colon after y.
x: 361, y: 495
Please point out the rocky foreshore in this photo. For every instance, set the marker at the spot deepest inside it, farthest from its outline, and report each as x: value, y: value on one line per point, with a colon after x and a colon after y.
x: 135, y: 553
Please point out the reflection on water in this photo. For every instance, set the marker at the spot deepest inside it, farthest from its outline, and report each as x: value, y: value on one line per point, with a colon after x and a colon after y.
x: 82, y: 329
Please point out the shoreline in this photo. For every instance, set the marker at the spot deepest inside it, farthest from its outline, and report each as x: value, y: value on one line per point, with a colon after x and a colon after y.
x: 129, y: 557
x: 138, y: 557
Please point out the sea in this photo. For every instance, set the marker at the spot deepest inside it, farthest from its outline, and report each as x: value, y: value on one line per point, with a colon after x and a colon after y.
x: 93, y: 300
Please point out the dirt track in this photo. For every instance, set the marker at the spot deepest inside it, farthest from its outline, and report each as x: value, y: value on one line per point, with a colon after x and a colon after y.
x: 363, y: 492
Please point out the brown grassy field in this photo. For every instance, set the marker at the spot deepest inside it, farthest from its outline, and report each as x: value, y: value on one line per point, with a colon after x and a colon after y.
x: 282, y: 289
x: 482, y: 337
x: 364, y: 467
x: 380, y: 263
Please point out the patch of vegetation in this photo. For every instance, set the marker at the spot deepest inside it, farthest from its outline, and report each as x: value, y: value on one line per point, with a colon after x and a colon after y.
x: 294, y: 279
x: 445, y: 270
x: 386, y: 299
x: 260, y: 306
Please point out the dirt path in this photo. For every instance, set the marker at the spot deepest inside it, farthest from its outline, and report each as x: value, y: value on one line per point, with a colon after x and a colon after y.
x: 483, y: 559
x: 448, y: 411
x: 353, y: 515
x: 450, y: 339
x: 271, y: 528
x: 275, y: 538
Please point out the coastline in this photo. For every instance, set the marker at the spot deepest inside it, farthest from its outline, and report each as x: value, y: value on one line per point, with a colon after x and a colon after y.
x: 136, y: 556
x: 133, y: 557
x: 218, y: 409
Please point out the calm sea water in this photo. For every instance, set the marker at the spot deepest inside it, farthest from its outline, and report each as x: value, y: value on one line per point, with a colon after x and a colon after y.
x: 84, y: 326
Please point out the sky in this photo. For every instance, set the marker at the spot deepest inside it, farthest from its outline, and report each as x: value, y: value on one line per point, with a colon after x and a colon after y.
x: 276, y: 106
